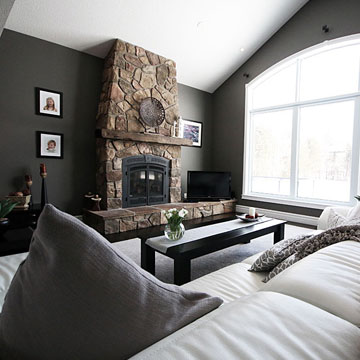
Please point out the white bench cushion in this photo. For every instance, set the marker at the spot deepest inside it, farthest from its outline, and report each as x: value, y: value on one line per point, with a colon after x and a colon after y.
x: 329, y: 279
x: 264, y: 325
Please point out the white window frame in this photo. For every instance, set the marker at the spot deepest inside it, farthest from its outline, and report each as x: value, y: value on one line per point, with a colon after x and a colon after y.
x: 355, y: 166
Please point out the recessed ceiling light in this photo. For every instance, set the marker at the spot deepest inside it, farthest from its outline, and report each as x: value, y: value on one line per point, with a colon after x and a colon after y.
x: 242, y: 49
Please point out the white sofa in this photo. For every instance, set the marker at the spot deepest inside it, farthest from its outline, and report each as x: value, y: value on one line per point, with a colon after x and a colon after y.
x: 309, y: 311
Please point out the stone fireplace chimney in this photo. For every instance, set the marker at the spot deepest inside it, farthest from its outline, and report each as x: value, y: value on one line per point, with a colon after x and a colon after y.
x: 130, y: 75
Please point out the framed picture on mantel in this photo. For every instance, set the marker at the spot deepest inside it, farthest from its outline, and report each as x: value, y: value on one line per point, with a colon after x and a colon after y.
x: 192, y: 130
x: 48, y: 102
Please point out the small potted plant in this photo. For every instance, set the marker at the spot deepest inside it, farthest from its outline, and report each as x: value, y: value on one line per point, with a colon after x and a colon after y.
x: 357, y: 197
x: 175, y: 230
x: 6, y: 207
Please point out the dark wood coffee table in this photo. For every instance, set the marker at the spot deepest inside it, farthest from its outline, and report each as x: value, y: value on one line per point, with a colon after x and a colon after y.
x: 184, y: 253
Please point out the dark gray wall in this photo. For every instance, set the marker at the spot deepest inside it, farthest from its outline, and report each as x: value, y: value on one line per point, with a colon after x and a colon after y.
x: 5, y: 8
x: 26, y: 63
x: 302, y: 31
x: 196, y: 105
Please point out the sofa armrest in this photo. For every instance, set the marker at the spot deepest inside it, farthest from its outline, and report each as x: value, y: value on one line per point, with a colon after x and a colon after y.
x: 324, y: 217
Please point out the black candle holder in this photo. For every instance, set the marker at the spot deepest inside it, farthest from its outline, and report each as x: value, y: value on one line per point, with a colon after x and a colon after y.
x: 44, y: 196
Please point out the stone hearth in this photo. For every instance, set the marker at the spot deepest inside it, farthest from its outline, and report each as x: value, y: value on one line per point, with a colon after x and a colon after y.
x: 116, y: 221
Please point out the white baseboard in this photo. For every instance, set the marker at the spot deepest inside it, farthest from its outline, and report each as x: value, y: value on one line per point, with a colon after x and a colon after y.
x: 281, y: 215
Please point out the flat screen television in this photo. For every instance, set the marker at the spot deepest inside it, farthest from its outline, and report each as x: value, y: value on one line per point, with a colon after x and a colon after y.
x: 208, y: 185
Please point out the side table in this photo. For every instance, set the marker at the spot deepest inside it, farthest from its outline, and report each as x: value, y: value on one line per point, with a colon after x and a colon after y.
x: 16, y: 236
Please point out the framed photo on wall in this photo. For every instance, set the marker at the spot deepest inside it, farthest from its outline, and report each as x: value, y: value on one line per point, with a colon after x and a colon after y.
x: 49, y: 145
x: 48, y: 102
x: 192, y: 130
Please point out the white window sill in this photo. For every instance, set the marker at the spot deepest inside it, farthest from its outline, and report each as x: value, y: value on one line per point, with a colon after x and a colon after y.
x: 298, y: 203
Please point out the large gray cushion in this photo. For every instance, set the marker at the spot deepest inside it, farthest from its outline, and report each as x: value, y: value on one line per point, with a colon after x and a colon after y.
x: 77, y: 297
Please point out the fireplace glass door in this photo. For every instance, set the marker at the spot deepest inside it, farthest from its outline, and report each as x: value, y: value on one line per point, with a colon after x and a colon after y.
x: 156, y: 186
x: 137, y: 190
x: 145, y: 182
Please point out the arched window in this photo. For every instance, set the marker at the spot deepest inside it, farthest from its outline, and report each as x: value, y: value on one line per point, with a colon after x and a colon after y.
x: 302, y: 127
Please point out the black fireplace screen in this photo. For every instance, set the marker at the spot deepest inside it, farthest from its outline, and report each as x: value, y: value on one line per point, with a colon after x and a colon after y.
x: 145, y: 180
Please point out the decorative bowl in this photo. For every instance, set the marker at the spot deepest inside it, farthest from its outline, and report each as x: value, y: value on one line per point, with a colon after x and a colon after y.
x: 22, y: 201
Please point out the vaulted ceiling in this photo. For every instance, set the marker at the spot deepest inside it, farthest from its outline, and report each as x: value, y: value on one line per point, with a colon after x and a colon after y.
x: 207, y: 39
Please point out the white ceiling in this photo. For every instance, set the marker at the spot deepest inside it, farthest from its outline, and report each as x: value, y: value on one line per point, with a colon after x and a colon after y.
x: 207, y: 39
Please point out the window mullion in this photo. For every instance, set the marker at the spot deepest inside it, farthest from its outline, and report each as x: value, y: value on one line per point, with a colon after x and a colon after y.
x: 298, y: 75
x: 355, y: 175
x: 250, y: 159
x: 295, y: 136
x: 294, y: 153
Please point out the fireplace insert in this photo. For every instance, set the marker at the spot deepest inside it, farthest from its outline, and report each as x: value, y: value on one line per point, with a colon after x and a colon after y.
x: 145, y: 180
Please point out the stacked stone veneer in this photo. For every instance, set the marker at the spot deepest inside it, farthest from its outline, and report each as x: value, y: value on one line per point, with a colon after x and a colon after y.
x: 115, y: 221
x: 132, y: 74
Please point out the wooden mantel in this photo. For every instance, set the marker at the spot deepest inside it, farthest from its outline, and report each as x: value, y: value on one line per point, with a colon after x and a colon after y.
x: 149, y: 138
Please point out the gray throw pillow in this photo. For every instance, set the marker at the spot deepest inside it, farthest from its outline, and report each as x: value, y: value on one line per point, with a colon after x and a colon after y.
x: 77, y: 297
x: 277, y: 253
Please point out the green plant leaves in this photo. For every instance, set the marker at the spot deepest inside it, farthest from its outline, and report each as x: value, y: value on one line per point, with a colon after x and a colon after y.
x: 6, y: 206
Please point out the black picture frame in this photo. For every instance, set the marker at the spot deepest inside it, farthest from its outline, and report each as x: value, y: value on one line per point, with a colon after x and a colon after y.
x: 49, y: 145
x: 190, y: 129
x: 41, y: 96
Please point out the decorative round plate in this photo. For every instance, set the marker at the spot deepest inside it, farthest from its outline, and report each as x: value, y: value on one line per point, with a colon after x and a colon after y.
x: 244, y: 218
x: 152, y: 113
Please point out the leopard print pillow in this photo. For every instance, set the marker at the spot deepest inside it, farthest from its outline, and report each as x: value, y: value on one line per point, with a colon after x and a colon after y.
x: 281, y: 267
x: 279, y: 252
x: 351, y: 231
x: 329, y: 237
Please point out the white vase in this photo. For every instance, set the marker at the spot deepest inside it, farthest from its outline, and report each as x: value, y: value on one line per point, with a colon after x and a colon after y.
x: 176, y: 234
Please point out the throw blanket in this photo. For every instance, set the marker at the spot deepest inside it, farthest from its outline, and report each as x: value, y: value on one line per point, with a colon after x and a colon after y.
x: 309, y: 245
